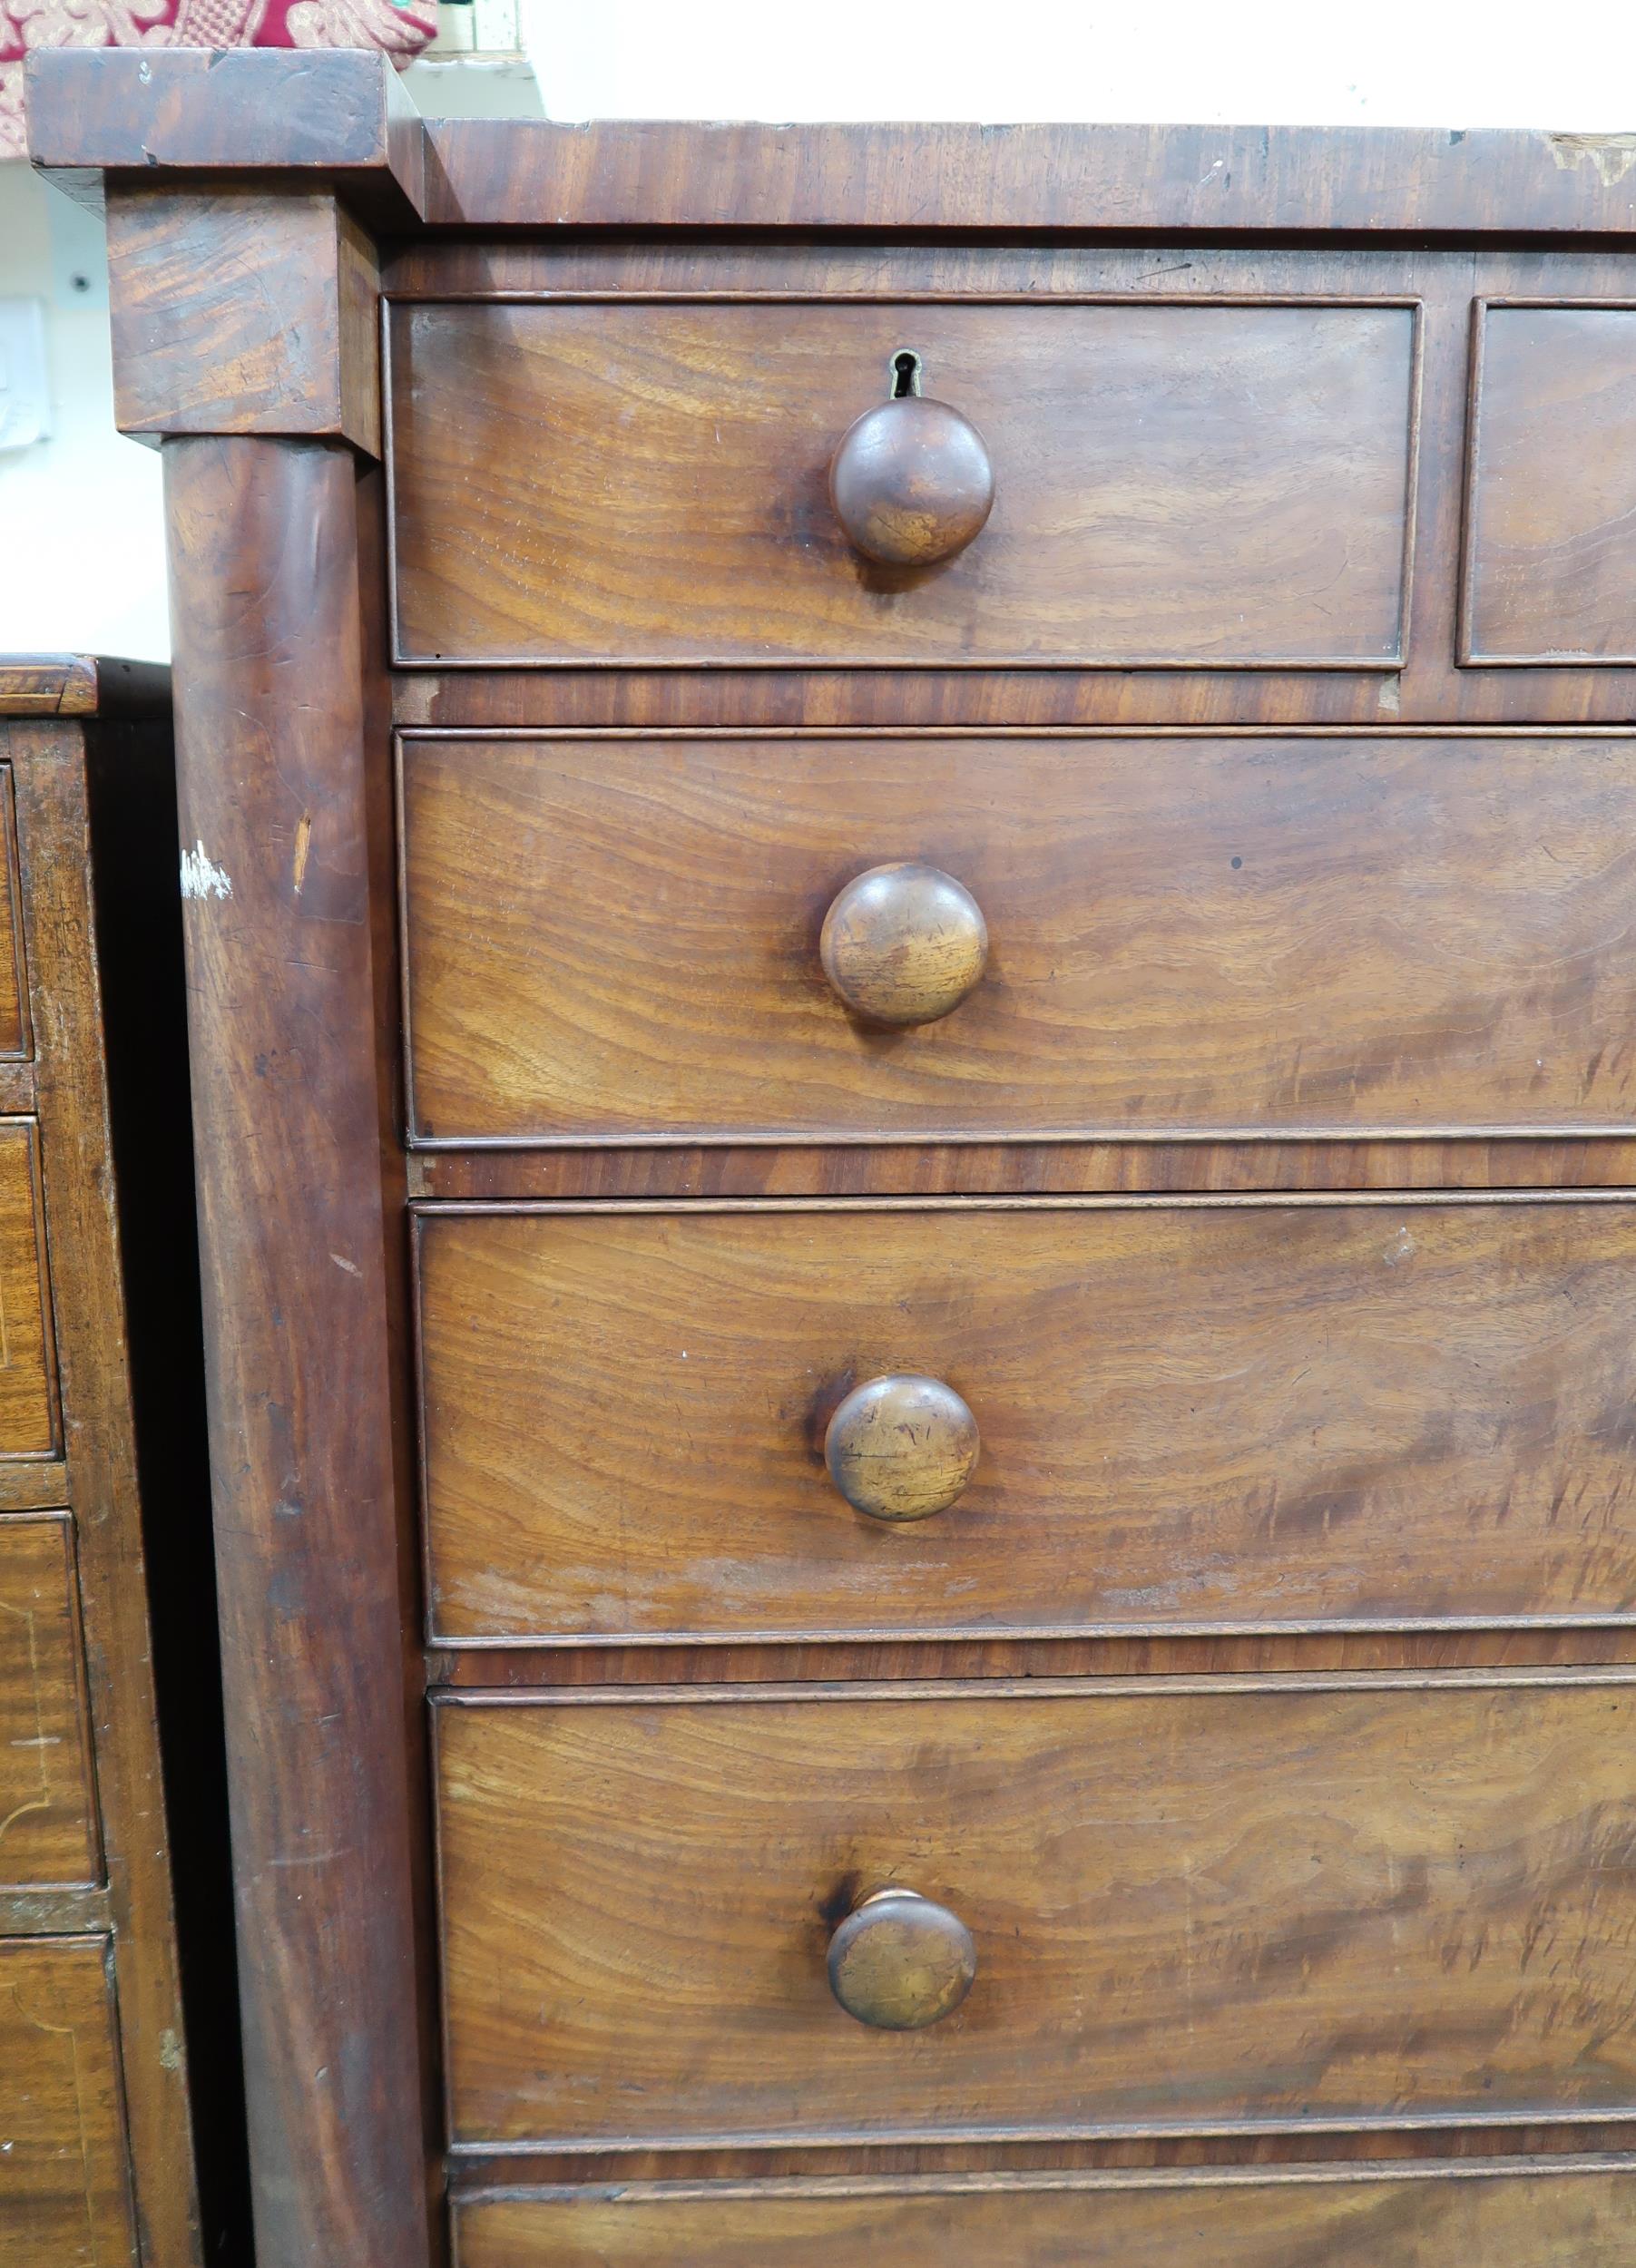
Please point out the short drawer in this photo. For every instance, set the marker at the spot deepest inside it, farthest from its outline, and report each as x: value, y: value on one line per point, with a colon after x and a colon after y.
x: 1189, y: 1416
x: 623, y: 939
x: 47, y: 1807
x: 1173, y: 485
x: 1353, y: 2217
x: 1191, y: 1907
x: 28, y: 1385
x: 16, y: 1038
x: 64, y: 2193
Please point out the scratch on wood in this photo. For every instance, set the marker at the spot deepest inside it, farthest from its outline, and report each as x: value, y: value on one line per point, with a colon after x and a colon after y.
x: 201, y: 877
x: 303, y: 845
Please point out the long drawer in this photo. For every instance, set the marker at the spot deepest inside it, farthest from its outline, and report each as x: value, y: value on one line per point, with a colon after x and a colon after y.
x: 29, y: 1419
x: 65, y: 2189
x: 628, y: 939
x: 48, y: 1833
x: 1191, y: 1906
x: 1196, y: 1416
x: 1355, y: 2216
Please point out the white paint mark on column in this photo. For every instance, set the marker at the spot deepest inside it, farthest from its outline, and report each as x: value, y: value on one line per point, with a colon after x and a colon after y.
x: 201, y: 877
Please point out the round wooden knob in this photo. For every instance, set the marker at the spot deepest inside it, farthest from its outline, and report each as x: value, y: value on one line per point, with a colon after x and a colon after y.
x: 911, y: 481
x: 903, y: 945
x: 901, y: 1448
x: 900, y: 1962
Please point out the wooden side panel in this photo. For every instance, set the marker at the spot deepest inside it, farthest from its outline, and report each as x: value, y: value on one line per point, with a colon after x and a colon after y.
x: 64, y: 2198
x: 1200, y: 1418
x: 66, y: 854
x: 1264, y: 1909
x: 1360, y: 2220
x: 1203, y: 936
x: 1176, y: 485
x: 47, y: 1804
x: 1550, y: 556
x: 28, y: 1392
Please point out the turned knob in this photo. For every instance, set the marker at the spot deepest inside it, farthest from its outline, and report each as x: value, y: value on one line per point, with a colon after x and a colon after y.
x: 900, y: 1962
x: 903, y: 945
x: 911, y: 481
x: 901, y: 1448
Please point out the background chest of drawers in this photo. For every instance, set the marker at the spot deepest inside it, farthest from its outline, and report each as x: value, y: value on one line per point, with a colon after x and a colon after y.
x: 916, y: 1268
x: 99, y: 1416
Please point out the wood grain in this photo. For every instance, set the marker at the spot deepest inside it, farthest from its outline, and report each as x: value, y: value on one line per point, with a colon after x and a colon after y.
x: 65, y: 2201
x: 273, y: 722
x: 1286, y: 1907
x: 597, y: 483
x: 903, y: 945
x: 1430, y: 687
x: 64, y: 854
x: 82, y: 685
x: 1549, y: 553
x: 901, y: 1448
x: 1191, y: 935
x: 16, y: 1039
x: 344, y: 115
x: 47, y: 1803
x: 1019, y: 1168
x: 242, y: 313
x: 335, y: 119
x: 1192, y: 1419
x: 503, y: 1667
x: 29, y: 1423
x: 1191, y: 181
x: 125, y: 1244
x: 1355, y: 2218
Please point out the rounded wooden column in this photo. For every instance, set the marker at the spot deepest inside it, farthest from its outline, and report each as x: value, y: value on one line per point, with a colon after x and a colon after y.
x: 289, y: 1002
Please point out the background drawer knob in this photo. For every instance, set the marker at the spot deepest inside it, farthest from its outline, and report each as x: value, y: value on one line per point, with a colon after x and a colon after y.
x: 901, y: 1448
x: 900, y: 1962
x: 911, y: 481
x: 903, y: 945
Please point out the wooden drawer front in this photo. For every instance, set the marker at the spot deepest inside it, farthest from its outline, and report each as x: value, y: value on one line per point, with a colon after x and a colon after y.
x: 15, y: 1040
x: 28, y: 1396
x: 1550, y: 555
x: 619, y: 939
x: 1355, y: 2218
x: 1192, y: 1417
x: 47, y: 1807
x: 1193, y: 1907
x: 1173, y: 485
x: 64, y: 2201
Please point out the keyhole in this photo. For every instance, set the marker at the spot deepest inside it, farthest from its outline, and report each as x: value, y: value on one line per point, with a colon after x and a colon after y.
x: 906, y: 374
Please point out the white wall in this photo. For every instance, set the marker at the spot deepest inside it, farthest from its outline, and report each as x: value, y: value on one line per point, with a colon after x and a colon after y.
x: 81, y: 555
x: 1389, y: 62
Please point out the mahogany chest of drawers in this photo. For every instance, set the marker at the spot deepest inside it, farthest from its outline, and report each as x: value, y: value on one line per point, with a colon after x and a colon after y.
x: 908, y: 863
x: 105, y: 1598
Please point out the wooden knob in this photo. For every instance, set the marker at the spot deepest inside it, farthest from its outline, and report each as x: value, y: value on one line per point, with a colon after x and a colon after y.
x: 901, y: 1448
x: 911, y: 481
x: 903, y: 945
x: 900, y: 1962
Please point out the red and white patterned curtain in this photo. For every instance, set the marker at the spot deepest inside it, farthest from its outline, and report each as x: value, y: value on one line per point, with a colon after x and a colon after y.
x: 402, y: 30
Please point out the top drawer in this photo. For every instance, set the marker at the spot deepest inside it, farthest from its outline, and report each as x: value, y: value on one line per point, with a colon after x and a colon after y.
x: 1221, y: 484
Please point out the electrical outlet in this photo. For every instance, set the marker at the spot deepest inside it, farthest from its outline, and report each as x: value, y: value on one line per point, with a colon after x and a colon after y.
x: 25, y: 389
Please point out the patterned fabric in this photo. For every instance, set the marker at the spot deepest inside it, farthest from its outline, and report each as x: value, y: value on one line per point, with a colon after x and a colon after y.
x: 402, y: 27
